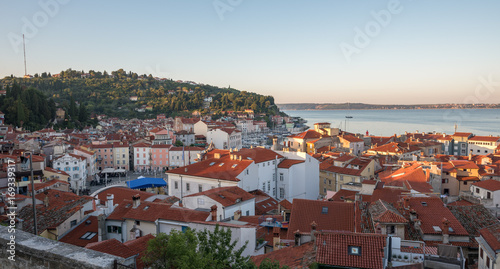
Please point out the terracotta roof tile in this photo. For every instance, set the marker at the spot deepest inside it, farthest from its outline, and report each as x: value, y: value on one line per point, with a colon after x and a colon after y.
x: 431, y: 211
x: 327, y: 215
x: 333, y: 249
x: 292, y: 257
x: 74, y: 237
x: 489, y: 184
x: 288, y: 163
x: 223, y: 168
x: 113, y: 247
x: 121, y: 193
x: 492, y: 236
x: 227, y: 196
x: 309, y: 134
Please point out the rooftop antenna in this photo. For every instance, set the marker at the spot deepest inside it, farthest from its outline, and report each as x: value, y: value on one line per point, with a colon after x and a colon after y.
x: 455, y: 127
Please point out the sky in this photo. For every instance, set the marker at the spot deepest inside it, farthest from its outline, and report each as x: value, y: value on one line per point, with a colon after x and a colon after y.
x: 377, y: 52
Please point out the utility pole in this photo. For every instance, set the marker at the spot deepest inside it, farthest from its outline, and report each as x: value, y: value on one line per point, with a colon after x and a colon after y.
x: 35, y: 230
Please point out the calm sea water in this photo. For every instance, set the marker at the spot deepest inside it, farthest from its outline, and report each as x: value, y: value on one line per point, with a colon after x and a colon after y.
x: 390, y: 122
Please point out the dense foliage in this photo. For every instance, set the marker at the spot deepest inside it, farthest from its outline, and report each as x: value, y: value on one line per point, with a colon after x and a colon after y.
x: 111, y: 94
x: 199, y: 249
x: 27, y: 107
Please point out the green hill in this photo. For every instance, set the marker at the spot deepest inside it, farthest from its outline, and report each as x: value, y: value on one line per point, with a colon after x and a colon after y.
x: 114, y: 94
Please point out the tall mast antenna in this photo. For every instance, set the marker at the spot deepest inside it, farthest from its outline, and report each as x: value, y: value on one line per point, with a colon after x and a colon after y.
x: 24, y: 48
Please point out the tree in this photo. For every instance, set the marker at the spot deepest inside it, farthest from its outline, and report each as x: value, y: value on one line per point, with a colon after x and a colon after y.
x: 175, y: 250
x: 82, y: 114
x: 191, y: 249
x: 178, y: 143
x: 268, y: 264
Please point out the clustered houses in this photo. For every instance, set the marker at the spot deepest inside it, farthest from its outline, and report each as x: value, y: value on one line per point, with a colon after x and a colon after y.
x: 397, y: 198
x: 281, y: 175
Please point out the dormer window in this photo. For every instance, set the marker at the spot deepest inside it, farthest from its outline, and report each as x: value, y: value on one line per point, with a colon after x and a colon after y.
x: 324, y: 210
x: 354, y: 250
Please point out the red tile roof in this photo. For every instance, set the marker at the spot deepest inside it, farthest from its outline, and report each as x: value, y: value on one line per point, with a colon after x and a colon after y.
x: 142, y: 145
x: 383, y: 212
x: 489, y: 184
x: 333, y: 249
x: 485, y: 138
x: 227, y: 196
x: 459, y: 134
x: 431, y: 211
x: 492, y: 236
x: 258, y: 155
x: 288, y: 163
x: 293, y: 257
x: 139, y: 246
x: 113, y: 247
x: 463, y: 164
x: 343, y: 195
x: 286, y: 204
x: 351, y: 138
x: 121, y: 193
x: 151, y: 211
x: 263, y: 202
x: 339, y: 216
x: 309, y: 134
x: 223, y: 168
x: 390, y: 195
x: 74, y: 237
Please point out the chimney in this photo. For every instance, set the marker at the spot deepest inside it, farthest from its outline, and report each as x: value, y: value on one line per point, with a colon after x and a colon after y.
x: 239, y: 158
x: 101, y: 228
x: 237, y: 214
x: 406, y: 202
x: 446, y: 236
x: 136, y: 199
x: 470, y: 155
x: 217, y: 155
x: 276, y: 238
x: 213, y: 212
x: 413, y: 215
x: 297, y: 238
x: 313, y: 231
x: 417, y: 224
x: 46, y: 201
x: 109, y: 202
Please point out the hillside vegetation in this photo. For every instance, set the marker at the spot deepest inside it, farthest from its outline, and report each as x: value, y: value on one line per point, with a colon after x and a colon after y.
x: 114, y: 94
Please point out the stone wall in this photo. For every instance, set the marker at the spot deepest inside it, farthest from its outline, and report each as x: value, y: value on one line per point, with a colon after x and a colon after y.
x: 38, y: 252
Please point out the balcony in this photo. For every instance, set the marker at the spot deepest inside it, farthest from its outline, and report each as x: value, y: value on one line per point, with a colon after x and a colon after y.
x: 272, y: 222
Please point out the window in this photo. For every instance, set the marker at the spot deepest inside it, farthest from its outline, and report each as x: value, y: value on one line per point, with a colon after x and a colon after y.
x: 324, y: 210
x: 200, y: 188
x: 274, y: 192
x: 73, y: 223
x: 487, y: 261
x: 390, y: 229
x: 282, y: 193
x: 354, y: 250
x: 477, y: 190
x: 281, y: 176
x: 176, y: 185
x: 187, y: 186
x: 201, y: 201
x: 481, y: 253
x: 264, y: 186
x: 137, y: 223
x: 444, y: 180
x: 269, y: 186
x: 88, y: 235
x: 248, y: 213
x: 115, y: 229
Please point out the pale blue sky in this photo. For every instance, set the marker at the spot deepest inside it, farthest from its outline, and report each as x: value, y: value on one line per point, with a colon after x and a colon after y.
x: 428, y: 52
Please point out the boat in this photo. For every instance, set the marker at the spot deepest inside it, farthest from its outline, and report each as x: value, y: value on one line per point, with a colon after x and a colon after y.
x: 348, y: 117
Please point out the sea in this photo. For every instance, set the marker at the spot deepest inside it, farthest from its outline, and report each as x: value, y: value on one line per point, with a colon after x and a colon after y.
x: 398, y: 121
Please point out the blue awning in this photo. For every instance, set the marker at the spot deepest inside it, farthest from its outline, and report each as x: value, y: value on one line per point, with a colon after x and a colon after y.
x: 146, y: 182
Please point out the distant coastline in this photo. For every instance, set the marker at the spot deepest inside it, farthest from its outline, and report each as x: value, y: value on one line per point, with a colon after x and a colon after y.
x: 361, y: 106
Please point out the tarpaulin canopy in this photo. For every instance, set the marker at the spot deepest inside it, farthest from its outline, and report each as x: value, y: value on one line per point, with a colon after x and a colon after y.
x: 146, y: 182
